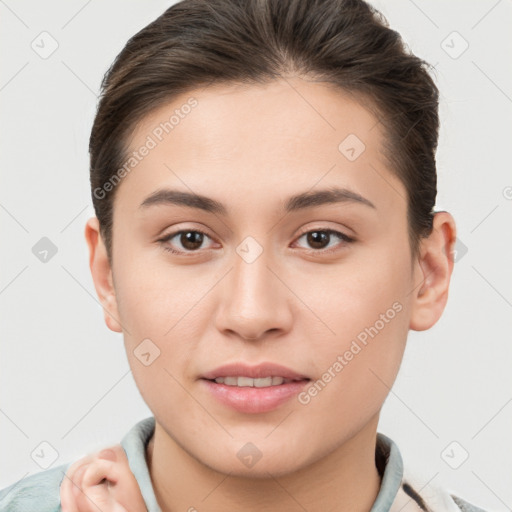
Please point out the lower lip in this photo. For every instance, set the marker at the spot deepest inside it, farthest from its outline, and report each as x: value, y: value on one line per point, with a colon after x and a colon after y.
x: 254, y: 400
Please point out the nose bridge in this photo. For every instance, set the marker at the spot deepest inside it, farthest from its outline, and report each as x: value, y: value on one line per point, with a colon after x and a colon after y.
x: 253, y: 300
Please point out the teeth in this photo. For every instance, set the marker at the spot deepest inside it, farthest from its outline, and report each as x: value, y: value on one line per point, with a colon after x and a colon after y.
x: 248, y: 382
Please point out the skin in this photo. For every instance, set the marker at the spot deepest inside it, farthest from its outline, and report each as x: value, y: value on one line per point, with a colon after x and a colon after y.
x: 101, y: 481
x: 250, y: 148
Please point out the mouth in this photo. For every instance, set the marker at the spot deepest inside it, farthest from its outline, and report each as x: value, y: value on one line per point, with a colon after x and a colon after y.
x: 253, y: 389
x: 248, y: 382
x: 242, y: 374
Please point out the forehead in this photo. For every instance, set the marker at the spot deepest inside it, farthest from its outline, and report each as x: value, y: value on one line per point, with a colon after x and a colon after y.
x: 253, y: 115
x: 281, y: 136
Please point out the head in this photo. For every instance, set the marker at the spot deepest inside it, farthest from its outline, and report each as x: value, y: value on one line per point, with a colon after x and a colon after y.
x: 310, y: 133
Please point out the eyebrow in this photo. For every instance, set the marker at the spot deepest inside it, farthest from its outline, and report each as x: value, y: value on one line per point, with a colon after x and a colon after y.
x: 294, y: 203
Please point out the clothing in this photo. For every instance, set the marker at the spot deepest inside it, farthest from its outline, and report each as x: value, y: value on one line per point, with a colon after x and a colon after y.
x: 40, y: 492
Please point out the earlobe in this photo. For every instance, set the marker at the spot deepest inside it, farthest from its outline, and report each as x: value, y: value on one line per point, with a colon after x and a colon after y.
x: 432, y: 274
x: 102, y: 274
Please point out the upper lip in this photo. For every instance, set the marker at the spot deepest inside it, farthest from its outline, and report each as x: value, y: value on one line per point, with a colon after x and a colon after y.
x: 262, y: 370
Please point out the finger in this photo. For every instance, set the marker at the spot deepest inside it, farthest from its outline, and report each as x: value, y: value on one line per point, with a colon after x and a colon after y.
x: 100, y: 470
x: 115, y: 484
x: 72, y: 479
x: 109, y: 454
x: 67, y: 499
x: 80, y: 462
x: 91, y: 498
x: 76, y: 487
x: 102, y: 480
x: 127, y: 491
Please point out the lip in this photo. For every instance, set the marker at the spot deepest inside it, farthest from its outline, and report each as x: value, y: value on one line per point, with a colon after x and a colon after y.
x: 253, y: 400
x: 255, y: 372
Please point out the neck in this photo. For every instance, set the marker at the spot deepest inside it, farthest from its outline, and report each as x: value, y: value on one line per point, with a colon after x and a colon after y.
x: 346, y: 479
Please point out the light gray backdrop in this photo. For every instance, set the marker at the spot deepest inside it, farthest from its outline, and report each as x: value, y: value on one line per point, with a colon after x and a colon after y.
x: 65, y: 380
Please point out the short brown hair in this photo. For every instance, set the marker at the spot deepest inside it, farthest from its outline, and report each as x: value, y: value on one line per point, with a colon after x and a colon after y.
x: 347, y: 43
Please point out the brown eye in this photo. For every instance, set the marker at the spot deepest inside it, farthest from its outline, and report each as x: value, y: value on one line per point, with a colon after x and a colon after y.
x: 319, y: 239
x: 186, y: 241
x: 191, y: 240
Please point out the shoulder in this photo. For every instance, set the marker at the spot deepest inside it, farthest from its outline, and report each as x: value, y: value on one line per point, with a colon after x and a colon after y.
x: 433, y: 497
x: 403, y: 488
x: 40, y: 491
x: 465, y: 506
x: 430, y: 497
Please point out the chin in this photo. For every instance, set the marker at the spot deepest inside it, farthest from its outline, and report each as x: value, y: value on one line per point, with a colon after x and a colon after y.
x: 262, y: 470
x: 248, y: 461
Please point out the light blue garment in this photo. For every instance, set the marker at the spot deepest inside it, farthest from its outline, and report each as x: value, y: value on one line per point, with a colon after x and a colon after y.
x: 40, y: 492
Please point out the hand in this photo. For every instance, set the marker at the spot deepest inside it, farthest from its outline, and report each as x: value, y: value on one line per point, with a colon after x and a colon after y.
x: 101, y: 481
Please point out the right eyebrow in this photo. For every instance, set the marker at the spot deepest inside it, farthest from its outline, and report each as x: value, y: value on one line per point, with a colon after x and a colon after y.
x: 180, y: 198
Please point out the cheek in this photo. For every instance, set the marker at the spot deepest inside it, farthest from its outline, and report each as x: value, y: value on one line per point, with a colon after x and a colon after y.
x: 155, y: 297
x: 359, y: 342
x: 350, y: 297
x: 356, y: 368
x: 162, y: 310
x: 158, y: 313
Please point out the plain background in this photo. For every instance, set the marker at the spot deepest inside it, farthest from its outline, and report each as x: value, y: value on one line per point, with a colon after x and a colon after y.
x: 64, y: 376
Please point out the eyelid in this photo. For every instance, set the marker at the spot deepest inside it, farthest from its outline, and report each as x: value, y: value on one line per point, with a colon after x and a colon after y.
x: 324, y: 228
x: 172, y: 234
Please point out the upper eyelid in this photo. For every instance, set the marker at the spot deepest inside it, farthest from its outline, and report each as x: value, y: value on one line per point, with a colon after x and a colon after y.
x: 326, y: 229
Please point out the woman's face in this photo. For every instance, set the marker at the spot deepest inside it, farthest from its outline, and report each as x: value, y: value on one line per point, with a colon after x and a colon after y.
x: 321, y: 287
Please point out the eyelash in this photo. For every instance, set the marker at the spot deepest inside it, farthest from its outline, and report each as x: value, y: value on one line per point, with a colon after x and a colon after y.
x: 346, y: 239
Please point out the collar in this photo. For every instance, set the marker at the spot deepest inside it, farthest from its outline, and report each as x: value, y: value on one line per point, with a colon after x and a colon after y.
x: 391, y: 469
x: 134, y: 444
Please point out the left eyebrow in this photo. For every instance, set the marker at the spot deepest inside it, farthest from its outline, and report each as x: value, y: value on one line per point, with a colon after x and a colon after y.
x: 294, y: 203
x: 330, y: 195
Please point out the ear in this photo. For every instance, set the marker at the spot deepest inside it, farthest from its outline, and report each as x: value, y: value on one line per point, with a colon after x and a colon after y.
x: 433, y: 270
x: 102, y: 274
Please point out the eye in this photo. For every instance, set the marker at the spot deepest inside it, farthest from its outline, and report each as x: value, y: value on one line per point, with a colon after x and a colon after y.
x: 191, y: 240
x: 320, y: 239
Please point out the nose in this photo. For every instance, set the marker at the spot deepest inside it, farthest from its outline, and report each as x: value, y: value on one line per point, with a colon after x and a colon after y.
x: 254, y: 302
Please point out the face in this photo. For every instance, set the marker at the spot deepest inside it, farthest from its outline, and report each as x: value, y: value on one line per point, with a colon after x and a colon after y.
x: 250, y: 276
